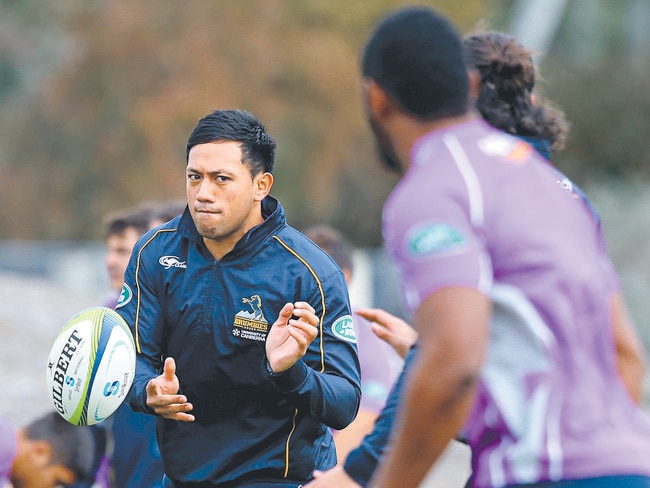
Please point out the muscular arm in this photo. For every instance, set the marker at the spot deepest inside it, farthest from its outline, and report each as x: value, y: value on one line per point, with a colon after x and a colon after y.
x: 629, y: 352
x: 453, y: 326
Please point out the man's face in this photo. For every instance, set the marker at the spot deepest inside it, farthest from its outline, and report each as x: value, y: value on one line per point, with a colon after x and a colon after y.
x: 222, y: 194
x: 118, y: 253
x: 33, y: 466
x: 384, y: 144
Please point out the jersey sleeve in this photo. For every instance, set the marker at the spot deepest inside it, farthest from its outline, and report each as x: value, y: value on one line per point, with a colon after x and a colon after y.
x: 326, y: 381
x: 436, y: 241
x: 139, y: 305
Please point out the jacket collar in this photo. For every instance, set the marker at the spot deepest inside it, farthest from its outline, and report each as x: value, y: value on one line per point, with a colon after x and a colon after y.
x: 274, y: 220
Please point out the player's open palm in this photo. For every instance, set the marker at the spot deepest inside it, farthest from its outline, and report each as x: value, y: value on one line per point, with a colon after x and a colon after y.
x: 163, y: 397
x: 295, y: 328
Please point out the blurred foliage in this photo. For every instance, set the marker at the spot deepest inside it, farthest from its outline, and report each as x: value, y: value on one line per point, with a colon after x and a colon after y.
x: 97, y: 98
x: 598, y: 73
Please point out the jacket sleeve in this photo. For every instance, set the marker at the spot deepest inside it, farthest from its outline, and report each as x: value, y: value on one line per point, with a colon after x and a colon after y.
x: 361, y: 462
x: 326, y: 383
x: 140, y: 308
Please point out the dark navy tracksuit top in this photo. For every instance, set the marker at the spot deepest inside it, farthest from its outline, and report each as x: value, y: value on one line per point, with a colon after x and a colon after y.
x: 212, y: 317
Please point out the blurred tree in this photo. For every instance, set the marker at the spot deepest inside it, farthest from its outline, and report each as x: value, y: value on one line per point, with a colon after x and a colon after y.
x: 598, y: 72
x: 104, y: 126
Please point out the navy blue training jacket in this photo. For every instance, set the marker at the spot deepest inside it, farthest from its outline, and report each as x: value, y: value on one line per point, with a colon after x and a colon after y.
x: 212, y: 317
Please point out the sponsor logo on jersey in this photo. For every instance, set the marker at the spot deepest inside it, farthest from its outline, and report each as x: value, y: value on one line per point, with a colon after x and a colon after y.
x: 250, y: 323
x: 171, y: 262
x: 511, y: 149
x: 125, y: 296
x: 433, y: 239
x: 343, y: 329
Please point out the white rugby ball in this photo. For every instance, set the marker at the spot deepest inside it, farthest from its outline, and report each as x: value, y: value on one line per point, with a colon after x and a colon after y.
x: 91, y: 366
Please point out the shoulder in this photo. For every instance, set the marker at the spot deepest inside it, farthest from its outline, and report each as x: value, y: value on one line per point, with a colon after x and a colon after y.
x: 305, y: 250
x: 161, y: 237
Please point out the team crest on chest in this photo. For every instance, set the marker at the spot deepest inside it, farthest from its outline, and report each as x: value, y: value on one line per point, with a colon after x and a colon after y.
x: 250, y: 322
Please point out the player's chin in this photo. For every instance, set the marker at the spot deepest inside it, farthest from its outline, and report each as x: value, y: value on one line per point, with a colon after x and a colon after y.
x: 208, y: 231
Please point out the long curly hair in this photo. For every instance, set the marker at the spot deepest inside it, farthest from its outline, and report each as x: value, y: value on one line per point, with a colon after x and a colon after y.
x: 507, y: 80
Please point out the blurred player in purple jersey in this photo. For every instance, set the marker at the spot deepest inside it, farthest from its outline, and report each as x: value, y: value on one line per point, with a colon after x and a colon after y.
x: 507, y: 280
x: 518, y: 307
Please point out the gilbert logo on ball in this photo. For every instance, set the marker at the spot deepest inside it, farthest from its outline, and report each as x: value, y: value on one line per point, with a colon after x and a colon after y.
x: 91, y: 366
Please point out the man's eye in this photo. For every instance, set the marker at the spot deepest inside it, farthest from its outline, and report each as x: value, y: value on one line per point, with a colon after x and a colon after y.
x: 193, y: 177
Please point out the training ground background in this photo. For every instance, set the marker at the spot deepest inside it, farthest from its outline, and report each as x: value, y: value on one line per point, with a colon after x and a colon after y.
x: 43, y: 284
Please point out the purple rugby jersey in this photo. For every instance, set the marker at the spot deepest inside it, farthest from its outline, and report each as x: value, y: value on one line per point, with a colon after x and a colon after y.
x: 479, y: 208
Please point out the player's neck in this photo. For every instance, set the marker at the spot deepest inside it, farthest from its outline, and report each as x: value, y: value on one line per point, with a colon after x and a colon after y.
x: 409, y: 130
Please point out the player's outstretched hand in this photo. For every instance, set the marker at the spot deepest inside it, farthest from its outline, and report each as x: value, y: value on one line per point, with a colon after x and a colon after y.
x: 163, y: 397
x: 396, y: 332
x: 290, y: 335
x: 333, y: 477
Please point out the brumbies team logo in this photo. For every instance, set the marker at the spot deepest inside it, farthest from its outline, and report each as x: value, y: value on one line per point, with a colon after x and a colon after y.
x: 125, y: 296
x: 251, y: 323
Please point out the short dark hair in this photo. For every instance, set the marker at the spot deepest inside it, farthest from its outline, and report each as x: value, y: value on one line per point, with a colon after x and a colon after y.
x: 416, y: 55
x: 333, y: 243
x: 138, y: 218
x: 258, y: 149
x: 507, y: 80
x: 79, y: 448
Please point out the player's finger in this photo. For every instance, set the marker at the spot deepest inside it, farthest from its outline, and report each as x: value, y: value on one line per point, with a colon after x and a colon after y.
x: 306, y: 316
x: 182, y: 417
x: 371, y: 314
x: 304, y: 306
x: 169, y: 369
x: 164, y: 401
x: 178, y: 412
x: 285, y: 314
x: 303, y: 333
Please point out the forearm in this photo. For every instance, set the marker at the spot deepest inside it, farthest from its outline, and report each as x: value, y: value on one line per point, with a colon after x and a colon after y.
x: 328, y: 398
x: 137, y: 398
x: 631, y: 368
x: 431, y: 414
x: 630, y: 357
x: 362, y: 462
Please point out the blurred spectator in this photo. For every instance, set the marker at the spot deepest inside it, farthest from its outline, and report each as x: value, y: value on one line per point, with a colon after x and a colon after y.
x: 49, y: 452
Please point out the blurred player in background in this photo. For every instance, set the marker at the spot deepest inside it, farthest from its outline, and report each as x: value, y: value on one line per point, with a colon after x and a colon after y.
x: 49, y: 453
x: 507, y: 101
x: 122, y: 230
x: 134, y: 460
x: 461, y: 270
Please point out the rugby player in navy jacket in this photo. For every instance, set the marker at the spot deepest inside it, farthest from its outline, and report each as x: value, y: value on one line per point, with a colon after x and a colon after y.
x: 246, y: 351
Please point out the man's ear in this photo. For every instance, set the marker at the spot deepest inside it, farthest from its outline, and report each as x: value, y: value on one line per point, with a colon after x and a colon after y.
x: 474, y: 84
x: 41, y: 456
x: 40, y: 452
x: 376, y: 100
x: 263, y: 183
x: 63, y: 474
